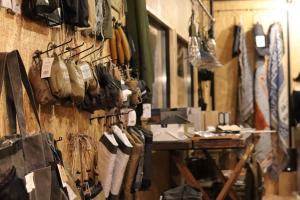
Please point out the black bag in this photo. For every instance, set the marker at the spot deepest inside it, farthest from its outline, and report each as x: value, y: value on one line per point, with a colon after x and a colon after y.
x: 26, y: 153
x: 47, y: 11
x: 76, y: 12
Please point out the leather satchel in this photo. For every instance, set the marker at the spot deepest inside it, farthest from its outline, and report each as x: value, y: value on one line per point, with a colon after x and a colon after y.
x: 60, y: 80
x: 40, y: 86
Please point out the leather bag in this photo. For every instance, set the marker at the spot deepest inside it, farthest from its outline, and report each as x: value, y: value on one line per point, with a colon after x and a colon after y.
x: 40, y: 86
x: 60, y: 80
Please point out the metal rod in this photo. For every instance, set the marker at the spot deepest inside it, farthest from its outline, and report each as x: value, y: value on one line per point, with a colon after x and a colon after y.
x: 71, y: 49
x: 289, y: 77
x: 100, y: 48
x: 53, y: 47
x: 246, y: 10
x: 101, y: 58
x: 206, y: 11
x: 81, y: 52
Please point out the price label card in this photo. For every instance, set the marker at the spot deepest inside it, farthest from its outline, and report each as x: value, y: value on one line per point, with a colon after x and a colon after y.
x: 131, y: 118
x: 146, y: 111
x: 29, y: 182
x: 260, y: 41
x: 62, y: 174
x: 6, y: 4
x: 46, y: 67
x: 86, y: 72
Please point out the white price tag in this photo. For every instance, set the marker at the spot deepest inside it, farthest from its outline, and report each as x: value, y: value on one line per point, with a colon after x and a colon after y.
x: 29, y: 182
x: 86, y: 72
x: 146, y: 111
x: 62, y: 174
x: 131, y: 118
x: 125, y: 94
x: 46, y: 67
x: 260, y: 41
x: 6, y: 4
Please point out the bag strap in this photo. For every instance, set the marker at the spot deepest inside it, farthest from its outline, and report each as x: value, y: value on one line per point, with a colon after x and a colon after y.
x: 16, y: 76
x: 2, y: 69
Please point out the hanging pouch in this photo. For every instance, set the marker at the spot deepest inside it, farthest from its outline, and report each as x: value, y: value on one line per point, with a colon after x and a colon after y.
x: 59, y: 80
x: 40, y: 85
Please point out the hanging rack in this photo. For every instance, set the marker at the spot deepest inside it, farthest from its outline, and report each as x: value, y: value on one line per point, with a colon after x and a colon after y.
x: 206, y: 11
x: 111, y: 115
x: 246, y: 10
x: 82, y: 51
x: 71, y: 49
x: 100, y: 48
x: 101, y: 58
x: 52, y: 48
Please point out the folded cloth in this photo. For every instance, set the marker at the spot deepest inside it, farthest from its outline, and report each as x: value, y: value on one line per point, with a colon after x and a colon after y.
x: 146, y: 182
x: 132, y: 165
x: 136, y: 186
x: 107, y: 154
x: 123, y: 152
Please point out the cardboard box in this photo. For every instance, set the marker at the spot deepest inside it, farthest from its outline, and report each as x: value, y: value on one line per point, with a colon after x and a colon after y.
x: 211, y: 119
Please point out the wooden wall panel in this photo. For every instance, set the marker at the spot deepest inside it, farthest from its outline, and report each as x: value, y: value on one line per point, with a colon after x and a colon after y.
x: 27, y: 36
x: 246, y: 13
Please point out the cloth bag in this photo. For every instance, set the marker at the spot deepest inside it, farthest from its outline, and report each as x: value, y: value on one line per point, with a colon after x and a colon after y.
x: 28, y: 154
x: 107, y: 154
x: 40, y: 86
x: 60, y: 80
x: 123, y: 152
x: 77, y: 82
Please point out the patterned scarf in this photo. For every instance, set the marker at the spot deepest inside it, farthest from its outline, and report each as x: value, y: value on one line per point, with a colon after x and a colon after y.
x: 246, y: 108
x: 278, y: 96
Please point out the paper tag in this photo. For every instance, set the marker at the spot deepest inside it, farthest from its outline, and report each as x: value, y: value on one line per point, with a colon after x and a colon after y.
x: 29, y: 182
x: 46, y: 67
x: 260, y: 41
x: 62, y: 174
x: 131, y: 118
x: 6, y: 4
x: 71, y: 193
x: 125, y: 94
x: 86, y: 72
x: 146, y: 111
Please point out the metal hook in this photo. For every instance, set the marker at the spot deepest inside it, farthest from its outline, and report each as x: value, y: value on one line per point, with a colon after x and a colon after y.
x: 101, y: 47
x: 82, y: 51
x: 101, y: 58
x: 71, y: 49
x: 52, y: 48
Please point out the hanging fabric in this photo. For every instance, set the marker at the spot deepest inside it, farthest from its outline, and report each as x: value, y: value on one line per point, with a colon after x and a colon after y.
x: 123, y: 152
x: 246, y: 108
x: 138, y: 28
x: 278, y: 96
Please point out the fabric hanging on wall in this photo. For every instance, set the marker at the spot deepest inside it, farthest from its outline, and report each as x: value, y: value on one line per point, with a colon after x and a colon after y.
x: 263, y: 148
x: 246, y: 107
x: 278, y: 96
x: 138, y: 28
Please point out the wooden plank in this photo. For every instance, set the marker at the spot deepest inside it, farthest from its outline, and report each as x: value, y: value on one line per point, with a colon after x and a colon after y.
x: 176, y: 145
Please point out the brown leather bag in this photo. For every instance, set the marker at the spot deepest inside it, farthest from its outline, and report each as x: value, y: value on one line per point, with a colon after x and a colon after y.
x: 60, y: 80
x: 40, y: 86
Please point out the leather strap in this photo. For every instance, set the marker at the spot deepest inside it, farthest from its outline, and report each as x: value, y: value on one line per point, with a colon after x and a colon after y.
x: 15, y: 69
x: 2, y: 69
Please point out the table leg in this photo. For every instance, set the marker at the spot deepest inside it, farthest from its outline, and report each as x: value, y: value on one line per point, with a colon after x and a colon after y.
x: 238, y: 168
x: 189, y: 178
x: 220, y: 175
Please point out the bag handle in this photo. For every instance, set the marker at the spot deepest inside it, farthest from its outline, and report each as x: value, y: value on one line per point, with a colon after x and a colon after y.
x: 2, y: 69
x: 16, y: 76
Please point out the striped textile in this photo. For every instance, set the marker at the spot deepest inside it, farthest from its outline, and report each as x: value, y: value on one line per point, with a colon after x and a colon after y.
x: 246, y: 103
x: 278, y: 96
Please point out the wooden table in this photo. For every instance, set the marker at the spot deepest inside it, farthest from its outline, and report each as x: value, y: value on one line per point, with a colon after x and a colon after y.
x: 245, y: 143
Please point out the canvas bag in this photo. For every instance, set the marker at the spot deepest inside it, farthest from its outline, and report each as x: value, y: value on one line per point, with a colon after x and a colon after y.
x: 60, y: 80
x: 26, y: 153
x: 40, y: 86
x: 77, y: 82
